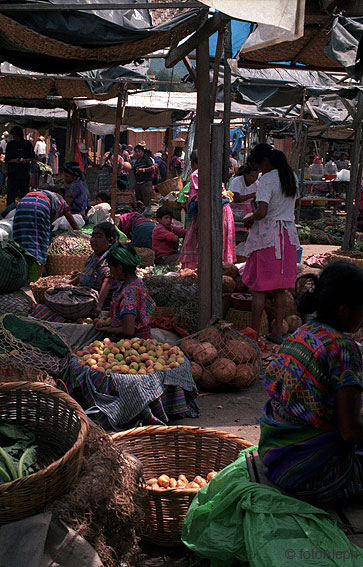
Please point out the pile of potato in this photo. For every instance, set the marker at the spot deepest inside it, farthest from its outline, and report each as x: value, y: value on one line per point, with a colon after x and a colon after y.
x: 164, y: 482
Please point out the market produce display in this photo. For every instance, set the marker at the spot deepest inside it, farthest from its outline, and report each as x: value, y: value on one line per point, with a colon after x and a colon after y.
x: 72, y: 242
x: 163, y: 482
x: 18, y: 455
x: 220, y: 356
x: 134, y: 356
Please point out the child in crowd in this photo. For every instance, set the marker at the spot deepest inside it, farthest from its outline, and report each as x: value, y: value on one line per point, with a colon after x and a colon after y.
x: 165, y: 237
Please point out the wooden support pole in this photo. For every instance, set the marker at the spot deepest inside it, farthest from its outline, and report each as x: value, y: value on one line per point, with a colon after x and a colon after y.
x: 227, y: 99
x: 217, y: 141
x: 116, y: 149
x: 68, y: 133
x: 357, y: 198
x: 354, y: 183
x: 204, y: 193
x: 170, y: 151
x: 211, y: 25
x: 217, y: 60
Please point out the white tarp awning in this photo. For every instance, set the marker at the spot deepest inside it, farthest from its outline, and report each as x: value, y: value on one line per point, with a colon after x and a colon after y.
x: 278, y: 20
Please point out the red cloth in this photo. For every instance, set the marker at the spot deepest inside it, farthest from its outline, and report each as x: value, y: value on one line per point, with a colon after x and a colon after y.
x: 162, y: 240
x: 168, y: 324
x: 78, y: 157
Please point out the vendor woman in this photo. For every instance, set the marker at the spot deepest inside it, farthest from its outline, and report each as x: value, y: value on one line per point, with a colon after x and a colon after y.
x: 96, y: 273
x: 131, y: 305
x: 75, y: 191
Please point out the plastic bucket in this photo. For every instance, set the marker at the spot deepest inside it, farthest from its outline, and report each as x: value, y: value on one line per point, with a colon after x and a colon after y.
x: 299, y: 252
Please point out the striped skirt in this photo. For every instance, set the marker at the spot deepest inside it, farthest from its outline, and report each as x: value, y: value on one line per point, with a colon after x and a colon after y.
x: 32, y: 226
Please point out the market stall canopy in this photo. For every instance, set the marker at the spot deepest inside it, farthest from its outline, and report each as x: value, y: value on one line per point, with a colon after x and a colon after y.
x: 262, y: 48
x: 33, y: 117
x: 59, y: 41
x: 281, y: 87
x: 144, y: 109
x: 20, y: 87
x: 346, y: 44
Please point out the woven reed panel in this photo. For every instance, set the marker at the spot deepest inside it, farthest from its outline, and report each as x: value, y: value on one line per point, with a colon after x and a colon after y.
x: 27, y: 39
x: 309, y: 49
x: 160, y: 16
x: 25, y: 87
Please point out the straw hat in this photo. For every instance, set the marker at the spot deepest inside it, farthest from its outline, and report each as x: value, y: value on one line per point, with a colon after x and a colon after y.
x: 5, y: 133
x: 41, y: 138
x: 142, y: 143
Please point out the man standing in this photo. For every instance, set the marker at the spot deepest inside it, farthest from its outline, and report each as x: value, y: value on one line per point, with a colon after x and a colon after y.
x: 143, y: 169
x: 4, y: 141
x: 19, y: 153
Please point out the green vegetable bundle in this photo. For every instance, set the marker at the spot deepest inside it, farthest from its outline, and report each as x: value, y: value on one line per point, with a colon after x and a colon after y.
x: 72, y: 242
x: 17, y: 452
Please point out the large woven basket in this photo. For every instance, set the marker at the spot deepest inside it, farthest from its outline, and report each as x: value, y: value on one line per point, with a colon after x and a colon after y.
x: 173, y: 184
x: 60, y: 427
x: 72, y: 311
x: 57, y: 264
x: 335, y: 257
x: 242, y: 319
x: 147, y: 256
x: 175, y: 450
x: 40, y: 286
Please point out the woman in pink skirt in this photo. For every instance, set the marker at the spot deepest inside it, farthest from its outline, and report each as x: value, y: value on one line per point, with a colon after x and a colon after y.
x: 189, y: 252
x: 272, y: 242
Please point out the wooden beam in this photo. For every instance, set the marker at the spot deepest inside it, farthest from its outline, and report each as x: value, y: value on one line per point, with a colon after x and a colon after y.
x: 170, y: 151
x: 40, y: 6
x: 217, y: 141
x: 354, y: 182
x: 190, y: 68
x: 204, y: 192
x: 310, y: 108
x: 217, y: 60
x: 227, y: 99
x: 68, y: 133
x: 212, y: 25
x: 349, y: 106
x: 116, y: 149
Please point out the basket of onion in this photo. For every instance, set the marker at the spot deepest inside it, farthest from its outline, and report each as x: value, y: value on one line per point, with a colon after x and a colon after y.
x: 177, y: 462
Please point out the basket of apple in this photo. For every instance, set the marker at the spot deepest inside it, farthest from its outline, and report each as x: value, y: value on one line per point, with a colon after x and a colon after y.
x: 130, y: 356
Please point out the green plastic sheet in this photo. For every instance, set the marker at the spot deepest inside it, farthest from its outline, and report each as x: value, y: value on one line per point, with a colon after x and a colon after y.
x: 232, y: 518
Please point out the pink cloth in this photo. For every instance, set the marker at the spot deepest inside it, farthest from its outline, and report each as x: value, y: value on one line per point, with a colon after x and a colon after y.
x: 189, y: 253
x: 229, y: 235
x: 162, y: 240
x: 263, y: 272
x: 193, y: 187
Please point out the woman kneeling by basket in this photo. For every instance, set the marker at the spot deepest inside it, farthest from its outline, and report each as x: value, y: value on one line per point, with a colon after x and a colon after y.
x: 96, y: 273
x: 131, y: 305
x: 33, y: 220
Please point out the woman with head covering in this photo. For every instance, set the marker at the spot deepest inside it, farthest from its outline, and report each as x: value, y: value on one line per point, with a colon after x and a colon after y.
x: 18, y: 155
x: 53, y: 156
x: 33, y: 220
x: 131, y: 305
x: 138, y: 228
x: 75, y: 191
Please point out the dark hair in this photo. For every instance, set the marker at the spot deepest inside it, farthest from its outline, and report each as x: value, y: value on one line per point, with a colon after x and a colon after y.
x: 114, y: 262
x: 278, y: 160
x: 245, y: 170
x: 340, y: 283
x: 139, y: 147
x: 194, y: 156
x: 149, y: 153
x: 108, y: 229
x: 104, y: 196
x: 162, y: 211
x: 17, y: 131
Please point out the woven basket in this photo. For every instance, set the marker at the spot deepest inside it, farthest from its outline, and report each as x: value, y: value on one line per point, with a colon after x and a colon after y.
x: 174, y: 205
x: 242, y: 319
x: 60, y: 427
x: 72, y: 311
x: 57, y: 264
x: 174, y: 184
x: 147, y: 256
x: 175, y: 450
x: 40, y: 286
x: 335, y: 257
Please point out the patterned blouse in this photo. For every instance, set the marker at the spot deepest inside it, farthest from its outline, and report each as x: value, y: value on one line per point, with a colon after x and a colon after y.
x: 134, y: 299
x: 95, y: 271
x: 78, y: 192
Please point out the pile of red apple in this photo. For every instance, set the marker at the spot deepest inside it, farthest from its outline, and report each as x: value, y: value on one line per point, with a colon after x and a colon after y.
x: 130, y: 356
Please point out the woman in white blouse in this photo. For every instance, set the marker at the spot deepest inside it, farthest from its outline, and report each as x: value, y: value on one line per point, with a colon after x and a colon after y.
x: 272, y: 242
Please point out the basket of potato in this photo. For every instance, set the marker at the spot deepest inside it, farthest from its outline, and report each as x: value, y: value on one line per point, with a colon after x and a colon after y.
x: 177, y: 462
